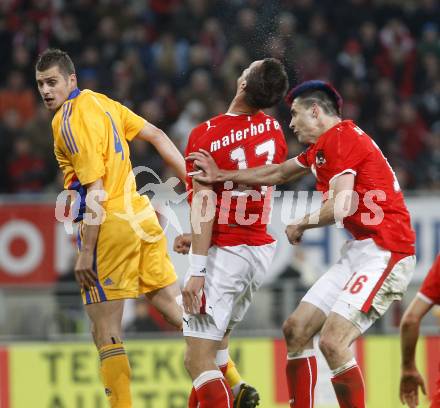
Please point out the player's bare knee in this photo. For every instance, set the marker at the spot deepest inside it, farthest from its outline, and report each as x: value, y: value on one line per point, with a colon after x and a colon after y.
x: 294, y: 333
x: 330, y: 346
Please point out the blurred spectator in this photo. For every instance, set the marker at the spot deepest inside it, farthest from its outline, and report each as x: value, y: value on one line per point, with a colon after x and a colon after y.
x: 293, y: 281
x: 412, y: 133
x: 191, y: 116
x: 311, y: 65
x: 293, y: 42
x: 397, y: 59
x: 352, y: 98
x: 426, y: 10
x: 321, y: 36
x: 66, y: 33
x: 433, y: 167
x: 39, y: 133
x: 22, y: 62
x: 430, y: 41
x: 5, y: 45
x: 247, y: 33
x: 159, y: 56
x: 189, y: 19
x: 107, y: 40
x: 236, y: 61
x: 430, y: 102
x: 16, y: 96
x: 213, y: 38
x: 9, y: 131
x: 90, y: 71
x: 200, y: 87
x: 142, y: 321
x: 143, y: 154
x: 369, y: 42
x: 351, y: 61
x: 26, y: 171
x: 165, y: 96
x: 170, y: 56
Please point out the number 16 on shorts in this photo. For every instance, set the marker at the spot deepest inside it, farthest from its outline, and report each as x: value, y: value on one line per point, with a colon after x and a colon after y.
x: 356, y: 283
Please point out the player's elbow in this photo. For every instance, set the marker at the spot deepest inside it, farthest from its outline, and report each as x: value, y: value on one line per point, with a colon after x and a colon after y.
x: 157, y: 136
x: 410, y: 321
x: 345, y: 203
x: 151, y: 134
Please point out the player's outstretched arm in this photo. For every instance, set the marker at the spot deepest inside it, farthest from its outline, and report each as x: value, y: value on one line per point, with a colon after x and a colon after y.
x: 340, y: 204
x: 410, y: 379
x: 165, y: 147
x: 92, y: 219
x: 269, y: 175
x: 203, y: 207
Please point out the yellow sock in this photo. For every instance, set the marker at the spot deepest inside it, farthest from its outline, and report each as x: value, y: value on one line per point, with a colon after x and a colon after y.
x: 115, y: 374
x: 232, y: 375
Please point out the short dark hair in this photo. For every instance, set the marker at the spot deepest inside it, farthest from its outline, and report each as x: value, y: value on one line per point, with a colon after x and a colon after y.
x: 322, y: 99
x: 266, y: 84
x: 55, y: 57
x: 320, y: 92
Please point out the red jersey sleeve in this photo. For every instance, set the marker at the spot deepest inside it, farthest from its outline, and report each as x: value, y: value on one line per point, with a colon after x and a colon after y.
x: 282, y: 149
x: 344, y: 152
x: 302, y: 159
x: 430, y: 289
x: 192, y: 146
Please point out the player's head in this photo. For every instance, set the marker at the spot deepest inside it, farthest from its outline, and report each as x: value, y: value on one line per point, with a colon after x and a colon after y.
x: 56, y: 78
x: 263, y: 83
x: 313, y: 105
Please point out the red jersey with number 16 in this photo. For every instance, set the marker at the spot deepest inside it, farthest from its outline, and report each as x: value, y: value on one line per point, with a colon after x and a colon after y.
x: 240, y: 142
x: 381, y: 213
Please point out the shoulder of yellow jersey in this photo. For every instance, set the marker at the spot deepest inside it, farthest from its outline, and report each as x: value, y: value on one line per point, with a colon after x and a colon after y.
x: 95, y: 100
x: 86, y: 105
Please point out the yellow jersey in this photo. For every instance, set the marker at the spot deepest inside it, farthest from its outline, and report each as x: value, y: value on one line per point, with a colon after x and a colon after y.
x: 91, y: 132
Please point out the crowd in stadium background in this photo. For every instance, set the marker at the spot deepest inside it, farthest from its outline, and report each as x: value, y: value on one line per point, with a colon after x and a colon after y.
x: 175, y: 62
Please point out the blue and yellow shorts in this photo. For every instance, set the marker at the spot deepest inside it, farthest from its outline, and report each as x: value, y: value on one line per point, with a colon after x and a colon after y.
x: 130, y: 257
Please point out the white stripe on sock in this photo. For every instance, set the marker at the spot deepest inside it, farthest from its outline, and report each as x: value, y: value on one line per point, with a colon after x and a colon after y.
x: 311, y: 379
x: 302, y: 354
x: 207, y: 376
x: 344, y: 367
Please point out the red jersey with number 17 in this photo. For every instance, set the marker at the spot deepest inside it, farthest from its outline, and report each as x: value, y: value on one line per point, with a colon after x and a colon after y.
x: 240, y: 142
x: 381, y: 213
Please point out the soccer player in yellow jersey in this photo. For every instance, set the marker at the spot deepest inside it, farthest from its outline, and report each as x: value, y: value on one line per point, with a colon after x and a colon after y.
x: 120, y: 255
x: 91, y: 135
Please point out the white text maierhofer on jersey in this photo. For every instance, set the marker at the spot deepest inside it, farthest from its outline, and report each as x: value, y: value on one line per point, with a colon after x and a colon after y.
x: 242, y: 134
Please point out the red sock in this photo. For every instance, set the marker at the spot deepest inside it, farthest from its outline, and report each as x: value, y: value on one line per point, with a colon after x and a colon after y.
x: 350, y: 389
x: 435, y: 399
x: 215, y: 393
x: 192, y: 400
x: 301, y: 375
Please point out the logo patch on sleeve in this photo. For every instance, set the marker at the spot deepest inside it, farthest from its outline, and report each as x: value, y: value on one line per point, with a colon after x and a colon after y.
x: 320, y: 158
